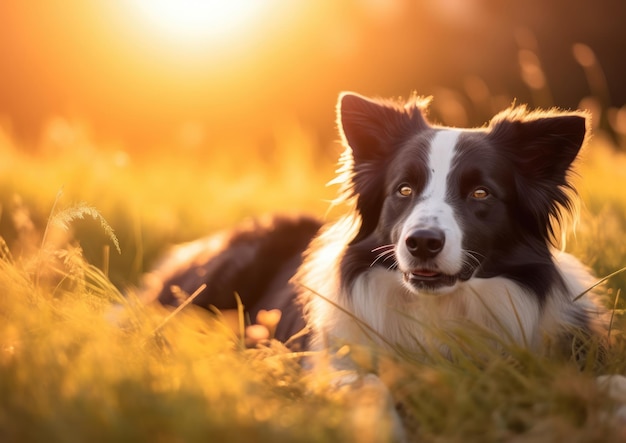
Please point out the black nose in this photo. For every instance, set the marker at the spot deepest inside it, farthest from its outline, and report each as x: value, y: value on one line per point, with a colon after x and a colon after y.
x: 425, y: 243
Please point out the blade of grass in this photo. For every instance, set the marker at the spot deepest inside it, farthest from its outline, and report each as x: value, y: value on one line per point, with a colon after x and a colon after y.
x: 242, y: 321
x: 179, y: 308
x: 598, y: 283
x: 610, y: 327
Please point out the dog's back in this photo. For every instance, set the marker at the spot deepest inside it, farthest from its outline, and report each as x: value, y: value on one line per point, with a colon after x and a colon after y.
x: 255, y: 260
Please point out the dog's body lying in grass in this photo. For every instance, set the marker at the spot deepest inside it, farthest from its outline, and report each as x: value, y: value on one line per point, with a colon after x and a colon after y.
x: 445, y: 228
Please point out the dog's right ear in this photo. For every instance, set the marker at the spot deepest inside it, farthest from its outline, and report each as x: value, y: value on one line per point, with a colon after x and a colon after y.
x: 372, y: 128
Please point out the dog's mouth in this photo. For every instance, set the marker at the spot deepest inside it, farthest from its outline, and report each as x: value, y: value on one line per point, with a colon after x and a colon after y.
x: 425, y: 274
x: 423, y: 278
x: 431, y: 280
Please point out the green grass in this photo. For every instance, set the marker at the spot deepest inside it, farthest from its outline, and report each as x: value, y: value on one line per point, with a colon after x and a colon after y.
x: 81, y: 362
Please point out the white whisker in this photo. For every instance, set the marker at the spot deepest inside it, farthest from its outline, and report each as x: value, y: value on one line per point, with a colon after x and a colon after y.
x: 388, y: 251
x: 474, y: 256
x: 388, y: 246
x: 382, y: 257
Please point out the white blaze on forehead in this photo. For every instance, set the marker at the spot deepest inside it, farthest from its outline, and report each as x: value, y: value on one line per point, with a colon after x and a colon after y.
x: 442, y: 150
x: 432, y: 210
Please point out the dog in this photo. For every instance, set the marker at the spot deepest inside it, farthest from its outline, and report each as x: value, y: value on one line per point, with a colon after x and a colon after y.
x: 445, y: 227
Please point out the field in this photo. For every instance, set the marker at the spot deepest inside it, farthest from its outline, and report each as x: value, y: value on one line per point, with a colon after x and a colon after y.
x: 82, y: 360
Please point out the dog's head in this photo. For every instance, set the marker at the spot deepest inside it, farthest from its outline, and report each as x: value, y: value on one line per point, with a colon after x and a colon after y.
x: 440, y: 206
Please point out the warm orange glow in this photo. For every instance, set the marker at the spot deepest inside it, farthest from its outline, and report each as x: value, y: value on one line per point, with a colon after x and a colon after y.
x: 194, y: 21
x: 153, y: 74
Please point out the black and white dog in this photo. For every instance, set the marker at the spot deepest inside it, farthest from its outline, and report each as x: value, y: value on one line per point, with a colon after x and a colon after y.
x: 444, y: 227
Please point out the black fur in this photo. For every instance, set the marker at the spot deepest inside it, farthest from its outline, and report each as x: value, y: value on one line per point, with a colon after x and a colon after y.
x: 256, y: 261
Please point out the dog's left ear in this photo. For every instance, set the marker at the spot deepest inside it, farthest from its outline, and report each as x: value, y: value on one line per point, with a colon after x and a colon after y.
x: 542, y: 147
x: 545, y: 147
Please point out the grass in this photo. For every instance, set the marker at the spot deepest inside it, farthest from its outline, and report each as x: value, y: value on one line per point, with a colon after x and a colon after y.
x: 80, y: 361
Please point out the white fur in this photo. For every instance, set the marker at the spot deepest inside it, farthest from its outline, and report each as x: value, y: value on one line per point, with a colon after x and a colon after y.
x: 441, y: 156
x: 384, y: 311
x: 433, y: 210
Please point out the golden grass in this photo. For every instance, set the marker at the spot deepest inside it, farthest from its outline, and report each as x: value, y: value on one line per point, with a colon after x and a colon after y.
x: 79, y: 361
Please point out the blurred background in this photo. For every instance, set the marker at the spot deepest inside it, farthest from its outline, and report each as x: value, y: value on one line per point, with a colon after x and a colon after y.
x: 177, y: 117
x: 153, y: 74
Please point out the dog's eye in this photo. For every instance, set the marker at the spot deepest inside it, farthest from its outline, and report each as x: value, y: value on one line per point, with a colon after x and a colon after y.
x: 480, y: 193
x: 405, y: 190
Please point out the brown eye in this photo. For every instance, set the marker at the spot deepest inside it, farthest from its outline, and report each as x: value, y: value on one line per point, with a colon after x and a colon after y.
x: 480, y: 193
x: 405, y: 190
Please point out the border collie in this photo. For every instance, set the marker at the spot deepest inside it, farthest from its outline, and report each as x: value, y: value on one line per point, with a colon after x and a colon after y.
x: 445, y: 227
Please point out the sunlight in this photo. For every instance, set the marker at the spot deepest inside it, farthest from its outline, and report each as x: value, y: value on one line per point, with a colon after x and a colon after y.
x: 194, y: 21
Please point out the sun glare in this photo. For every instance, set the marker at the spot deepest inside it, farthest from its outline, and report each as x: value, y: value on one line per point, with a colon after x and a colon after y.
x: 195, y: 21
